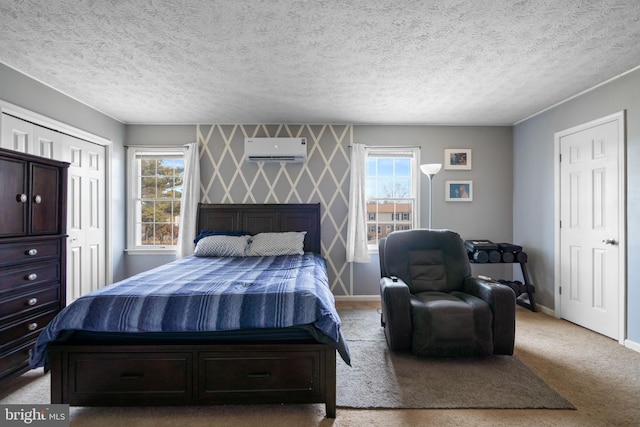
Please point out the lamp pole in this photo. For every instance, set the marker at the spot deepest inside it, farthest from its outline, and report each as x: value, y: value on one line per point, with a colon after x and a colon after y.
x: 430, y: 197
x: 430, y: 169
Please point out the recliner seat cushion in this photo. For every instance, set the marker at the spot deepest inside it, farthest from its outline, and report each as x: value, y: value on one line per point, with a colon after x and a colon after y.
x: 450, y: 324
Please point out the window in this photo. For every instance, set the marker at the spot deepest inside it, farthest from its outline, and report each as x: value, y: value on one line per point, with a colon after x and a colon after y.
x: 155, y: 184
x: 391, y: 191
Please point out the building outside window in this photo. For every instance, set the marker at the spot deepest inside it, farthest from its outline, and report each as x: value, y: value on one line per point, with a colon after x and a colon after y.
x: 155, y: 190
x: 391, y: 191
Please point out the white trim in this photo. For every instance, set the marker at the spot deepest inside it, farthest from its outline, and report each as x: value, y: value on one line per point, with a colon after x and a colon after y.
x: 622, y: 215
x: 132, y: 172
x: 415, y: 151
x: 546, y: 310
x: 39, y: 119
x: 632, y: 345
x: 356, y: 298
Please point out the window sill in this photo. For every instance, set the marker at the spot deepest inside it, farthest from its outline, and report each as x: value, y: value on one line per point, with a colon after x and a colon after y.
x: 155, y: 251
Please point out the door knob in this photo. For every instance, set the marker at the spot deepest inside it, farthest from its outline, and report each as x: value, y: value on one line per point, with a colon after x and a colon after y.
x: 609, y: 241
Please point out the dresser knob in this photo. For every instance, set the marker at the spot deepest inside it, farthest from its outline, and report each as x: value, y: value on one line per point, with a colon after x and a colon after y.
x: 32, y: 301
x: 32, y: 252
x: 33, y: 326
x: 32, y: 276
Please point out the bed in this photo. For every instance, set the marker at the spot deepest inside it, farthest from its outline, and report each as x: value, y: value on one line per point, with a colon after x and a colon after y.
x: 249, y: 343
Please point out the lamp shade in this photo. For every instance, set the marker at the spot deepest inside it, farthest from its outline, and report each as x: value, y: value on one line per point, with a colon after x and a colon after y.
x: 431, y: 168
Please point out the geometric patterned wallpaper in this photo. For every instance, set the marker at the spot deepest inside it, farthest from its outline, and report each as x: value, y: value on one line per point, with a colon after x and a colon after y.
x: 324, y: 178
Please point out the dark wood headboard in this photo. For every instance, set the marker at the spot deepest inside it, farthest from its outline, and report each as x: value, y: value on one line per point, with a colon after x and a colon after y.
x: 262, y: 218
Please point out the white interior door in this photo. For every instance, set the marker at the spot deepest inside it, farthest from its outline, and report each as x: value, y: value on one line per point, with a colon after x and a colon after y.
x: 591, y: 271
x: 86, y: 269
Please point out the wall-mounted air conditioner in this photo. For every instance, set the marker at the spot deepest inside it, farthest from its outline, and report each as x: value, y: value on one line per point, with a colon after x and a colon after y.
x: 290, y: 150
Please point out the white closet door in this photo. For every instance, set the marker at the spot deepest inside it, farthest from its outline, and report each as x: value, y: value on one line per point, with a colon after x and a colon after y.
x: 86, y: 209
x: 86, y: 269
x: 17, y: 135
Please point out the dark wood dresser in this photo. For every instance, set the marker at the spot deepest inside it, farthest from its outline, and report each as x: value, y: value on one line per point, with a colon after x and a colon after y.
x: 33, y: 204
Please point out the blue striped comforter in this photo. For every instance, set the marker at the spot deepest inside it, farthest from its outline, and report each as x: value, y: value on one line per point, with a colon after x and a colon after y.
x: 206, y: 294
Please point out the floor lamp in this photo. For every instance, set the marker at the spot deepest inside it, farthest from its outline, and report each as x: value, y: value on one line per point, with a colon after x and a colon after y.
x: 430, y: 169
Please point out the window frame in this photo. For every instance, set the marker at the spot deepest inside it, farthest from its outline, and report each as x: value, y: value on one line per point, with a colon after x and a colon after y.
x: 133, y: 198
x: 414, y: 175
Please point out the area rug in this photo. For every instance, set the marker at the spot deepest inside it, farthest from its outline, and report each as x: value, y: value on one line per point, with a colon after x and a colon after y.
x: 379, y: 378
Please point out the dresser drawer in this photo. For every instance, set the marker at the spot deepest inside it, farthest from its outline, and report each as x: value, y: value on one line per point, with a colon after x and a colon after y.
x: 16, y: 359
x: 37, y: 250
x: 17, y: 279
x: 27, y: 328
x: 22, y: 304
x: 130, y: 377
x: 264, y: 373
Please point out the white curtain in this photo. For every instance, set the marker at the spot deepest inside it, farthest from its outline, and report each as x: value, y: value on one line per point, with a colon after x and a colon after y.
x: 189, y: 201
x: 357, y: 248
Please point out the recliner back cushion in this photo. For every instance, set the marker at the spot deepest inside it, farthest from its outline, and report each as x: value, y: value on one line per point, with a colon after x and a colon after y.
x: 427, y: 271
x: 427, y: 260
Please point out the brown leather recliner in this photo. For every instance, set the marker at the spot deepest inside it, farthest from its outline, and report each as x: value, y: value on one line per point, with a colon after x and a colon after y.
x: 432, y: 306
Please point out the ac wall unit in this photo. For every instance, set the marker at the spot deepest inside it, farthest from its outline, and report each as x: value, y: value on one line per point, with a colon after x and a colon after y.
x: 289, y: 150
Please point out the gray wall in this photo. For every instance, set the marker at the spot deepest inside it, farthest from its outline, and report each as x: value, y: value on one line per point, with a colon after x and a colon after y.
x: 534, y: 183
x: 27, y: 93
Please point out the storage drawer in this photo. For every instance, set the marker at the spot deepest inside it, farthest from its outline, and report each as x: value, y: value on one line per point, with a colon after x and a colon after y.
x: 12, y: 253
x: 28, y: 328
x: 16, y: 359
x: 129, y: 377
x: 23, y: 304
x: 267, y: 373
x: 30, y: 275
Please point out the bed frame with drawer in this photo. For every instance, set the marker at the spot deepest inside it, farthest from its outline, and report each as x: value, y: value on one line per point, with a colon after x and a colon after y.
x: 171, y: 372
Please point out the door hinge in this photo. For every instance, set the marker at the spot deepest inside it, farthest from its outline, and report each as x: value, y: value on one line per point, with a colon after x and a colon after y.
x: 560, y: 290
x: 560, y: 155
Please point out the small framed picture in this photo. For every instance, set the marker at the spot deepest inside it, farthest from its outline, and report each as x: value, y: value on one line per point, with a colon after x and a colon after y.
x: 457, y: 158
x: 458, y: 191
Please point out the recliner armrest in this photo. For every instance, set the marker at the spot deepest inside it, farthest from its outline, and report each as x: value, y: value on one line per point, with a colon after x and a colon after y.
x: 502, y: 301
x: 396, y: 312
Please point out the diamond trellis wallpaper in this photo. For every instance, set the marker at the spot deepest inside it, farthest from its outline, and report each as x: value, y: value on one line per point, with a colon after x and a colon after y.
x: 227, y: 178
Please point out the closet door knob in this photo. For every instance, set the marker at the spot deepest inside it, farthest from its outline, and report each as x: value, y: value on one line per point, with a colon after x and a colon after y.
x: 22, y: 198
x: 37, y: 199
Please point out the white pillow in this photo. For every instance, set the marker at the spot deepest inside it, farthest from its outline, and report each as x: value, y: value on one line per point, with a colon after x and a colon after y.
x: 222, y: 246
x: 273, y: 244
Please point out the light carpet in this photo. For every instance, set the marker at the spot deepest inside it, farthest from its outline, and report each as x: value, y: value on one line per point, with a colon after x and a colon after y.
x: 379, y: 378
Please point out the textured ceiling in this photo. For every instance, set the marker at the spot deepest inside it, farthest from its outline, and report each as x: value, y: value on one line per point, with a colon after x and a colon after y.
x: 321, y: 61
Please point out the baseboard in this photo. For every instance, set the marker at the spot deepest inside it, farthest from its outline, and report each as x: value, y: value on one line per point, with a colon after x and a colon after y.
x: 357, y: 298
x: 632, y: 345
x: 546, y: 310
